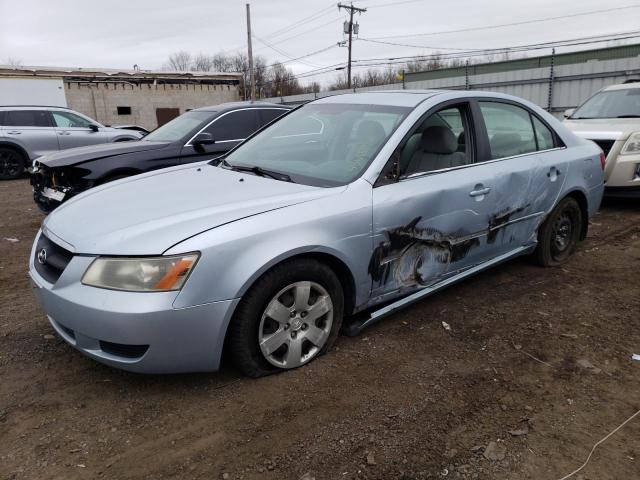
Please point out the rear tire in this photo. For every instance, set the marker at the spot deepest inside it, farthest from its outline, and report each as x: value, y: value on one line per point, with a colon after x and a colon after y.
x: 12, y: 163
x: 290, y: 316
x: 559, y: 234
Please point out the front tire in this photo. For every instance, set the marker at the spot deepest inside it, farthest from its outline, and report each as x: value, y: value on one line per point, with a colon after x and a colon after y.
x: 559, y: 235
x: 290, y: 316
x: 12, y: 164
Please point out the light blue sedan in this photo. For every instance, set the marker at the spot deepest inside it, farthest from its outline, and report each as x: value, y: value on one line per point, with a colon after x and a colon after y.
x: 359, y: 203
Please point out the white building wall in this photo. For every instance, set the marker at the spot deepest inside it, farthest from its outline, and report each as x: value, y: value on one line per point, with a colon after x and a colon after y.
x: 32, y: 91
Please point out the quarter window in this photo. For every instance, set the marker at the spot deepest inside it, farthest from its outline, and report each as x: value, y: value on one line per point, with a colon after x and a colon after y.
x: 509, y: 128
x: 27, y: 118
x: 236, y: 125
x: 69, y: 120
x: 544, y: 136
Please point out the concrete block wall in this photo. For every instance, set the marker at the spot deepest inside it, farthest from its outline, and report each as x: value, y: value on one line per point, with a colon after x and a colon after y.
x: 100, y: 100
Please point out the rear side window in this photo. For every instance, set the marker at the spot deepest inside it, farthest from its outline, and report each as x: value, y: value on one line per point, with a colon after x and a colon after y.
x: 270, y: 114
x: 236, y: 125
x: 27, y: 118
x: 509, y: 128
x: 544, y: 136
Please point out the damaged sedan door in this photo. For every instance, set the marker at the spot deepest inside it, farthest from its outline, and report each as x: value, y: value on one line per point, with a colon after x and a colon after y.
x: 432, y: 220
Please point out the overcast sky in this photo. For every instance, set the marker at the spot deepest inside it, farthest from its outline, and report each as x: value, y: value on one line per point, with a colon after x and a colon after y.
x: 121, y: 33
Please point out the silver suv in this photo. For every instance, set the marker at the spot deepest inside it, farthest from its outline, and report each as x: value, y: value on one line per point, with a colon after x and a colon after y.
x: 27, y: 133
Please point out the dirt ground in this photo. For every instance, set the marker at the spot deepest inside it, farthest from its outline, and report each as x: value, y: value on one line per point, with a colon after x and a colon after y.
x: 407, y: 399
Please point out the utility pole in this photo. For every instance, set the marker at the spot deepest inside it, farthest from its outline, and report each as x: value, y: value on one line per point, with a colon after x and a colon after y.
x: 251, y: 73
x: 351, y: 10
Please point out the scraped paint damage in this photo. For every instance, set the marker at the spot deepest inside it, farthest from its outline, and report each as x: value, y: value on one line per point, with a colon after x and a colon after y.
x: 413, y: 256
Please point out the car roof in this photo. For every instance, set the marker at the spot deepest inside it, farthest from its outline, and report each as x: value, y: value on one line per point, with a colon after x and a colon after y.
x: 224, y: 107
x: 410, y: 98
x: 33, y: 107
x: 400, y: 98
x: 622, y: 86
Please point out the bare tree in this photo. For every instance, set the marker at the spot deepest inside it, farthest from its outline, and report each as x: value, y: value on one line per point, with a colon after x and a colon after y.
x: 179, y: 61
x: 13, y: 62
x: 202, y: 63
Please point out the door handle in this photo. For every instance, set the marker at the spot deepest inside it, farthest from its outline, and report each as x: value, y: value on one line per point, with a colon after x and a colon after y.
x: 14, y: 132
x: 479, y: 191
x: 553, y: 173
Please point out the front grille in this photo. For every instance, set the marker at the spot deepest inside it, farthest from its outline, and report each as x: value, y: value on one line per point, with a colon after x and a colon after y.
x: 605, y: 145
x: 123, y: 350
x: 50, y: 259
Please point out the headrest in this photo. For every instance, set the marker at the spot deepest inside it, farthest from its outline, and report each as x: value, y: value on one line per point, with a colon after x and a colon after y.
x: 439, y: 140
x: 370, y: 129
x: 461, y: 138
x: 500, y: 140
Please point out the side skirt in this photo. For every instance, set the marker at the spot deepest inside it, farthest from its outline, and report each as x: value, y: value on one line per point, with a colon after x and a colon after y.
x: 360, y: 322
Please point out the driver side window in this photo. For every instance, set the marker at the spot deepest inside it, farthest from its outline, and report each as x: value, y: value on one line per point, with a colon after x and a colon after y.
x: 442, y: 140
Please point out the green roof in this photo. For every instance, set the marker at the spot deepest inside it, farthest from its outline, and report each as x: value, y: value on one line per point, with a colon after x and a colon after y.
x: 610, y: 53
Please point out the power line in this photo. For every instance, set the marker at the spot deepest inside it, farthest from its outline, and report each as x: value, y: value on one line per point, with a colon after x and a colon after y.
x: 525, y: 47
x: 390, y: 4
x: 307, y: 31
x: 281, y: 52
x: 524, y: 22
x: 470, y: 54
x: 298, y: 23
x: 361, y: 63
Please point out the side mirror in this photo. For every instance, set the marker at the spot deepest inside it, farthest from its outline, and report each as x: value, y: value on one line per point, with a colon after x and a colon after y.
x: 202, y: 139
x: 568, y: 112
x: 93, y: 128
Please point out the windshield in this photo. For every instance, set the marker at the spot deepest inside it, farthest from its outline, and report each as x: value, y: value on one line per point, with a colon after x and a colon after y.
x: 321, y: 144
x: 179, y: 127
x: 611, y: 104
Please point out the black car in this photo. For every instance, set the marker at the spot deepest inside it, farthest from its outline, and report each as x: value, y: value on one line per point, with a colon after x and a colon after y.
x: 196, y: 135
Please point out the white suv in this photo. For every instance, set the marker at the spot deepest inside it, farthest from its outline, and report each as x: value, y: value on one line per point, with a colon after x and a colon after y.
x: 28, y: 132
x: 611, y: 118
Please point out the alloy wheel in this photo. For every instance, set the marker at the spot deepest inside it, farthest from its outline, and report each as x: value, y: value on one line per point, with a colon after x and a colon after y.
x: 10, y: 164
x: 295, y: 325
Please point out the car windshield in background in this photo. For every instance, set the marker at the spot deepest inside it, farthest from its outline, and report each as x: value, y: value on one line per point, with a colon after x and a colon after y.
x: 178, y: 128
x: 322, y: 144
x: 611, y: 104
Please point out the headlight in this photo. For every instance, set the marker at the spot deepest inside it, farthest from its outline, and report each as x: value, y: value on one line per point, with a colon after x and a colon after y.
x: 144, y: 274
x: 632, y: 146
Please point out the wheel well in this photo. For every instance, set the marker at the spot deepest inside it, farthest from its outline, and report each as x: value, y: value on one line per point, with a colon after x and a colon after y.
x: 343, y: 273
x: 338, y: 267
x: 580, y: 197
x: 17, y: 148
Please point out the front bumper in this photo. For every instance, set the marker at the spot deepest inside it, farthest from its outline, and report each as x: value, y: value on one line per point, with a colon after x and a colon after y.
x: 621, y: 171
x: 52, y: 187
x: 139, y: 332
x: 623, y: 192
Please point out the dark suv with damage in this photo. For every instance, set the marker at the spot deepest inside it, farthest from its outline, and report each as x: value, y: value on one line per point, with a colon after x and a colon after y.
x: 196, y: 135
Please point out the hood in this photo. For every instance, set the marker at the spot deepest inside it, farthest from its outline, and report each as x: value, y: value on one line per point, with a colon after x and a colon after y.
x: 603, y: 128
x: 149, y: 213
x: 74, y: 156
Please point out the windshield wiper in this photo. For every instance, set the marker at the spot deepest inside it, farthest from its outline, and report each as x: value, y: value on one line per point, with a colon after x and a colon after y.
x: 628, y: 116
x: 261, y: 172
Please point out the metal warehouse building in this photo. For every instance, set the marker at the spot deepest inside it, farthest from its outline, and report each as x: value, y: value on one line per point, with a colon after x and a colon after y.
x: 554, y: 82
x: 113, y: 97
